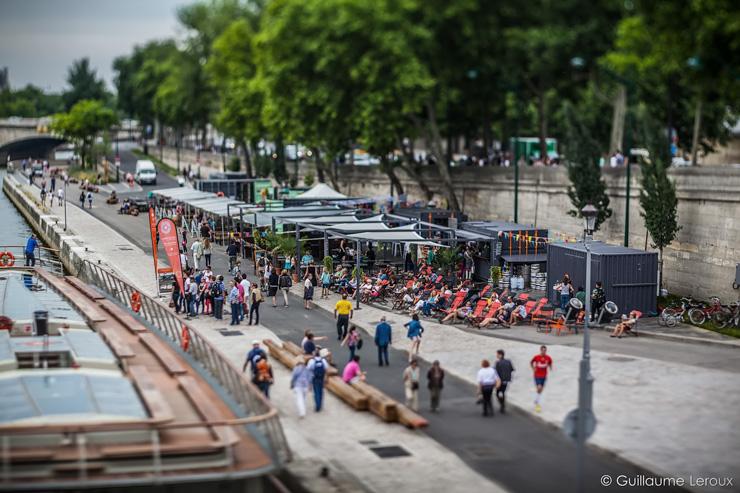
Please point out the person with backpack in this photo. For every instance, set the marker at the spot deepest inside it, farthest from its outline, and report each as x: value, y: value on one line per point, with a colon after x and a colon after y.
x: 284, y: 283
x: 252, y: 356
x: 255, y: 298
x: 217, y: 291
x: 317, y: 366
x: 273, y: 281
x: 299, y: 381
x: 263, y: 377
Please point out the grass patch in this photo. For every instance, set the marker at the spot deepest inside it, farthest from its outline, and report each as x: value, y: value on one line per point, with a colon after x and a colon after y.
x: 674, y: 300
x: 82, y: 174
x: 160, y: 165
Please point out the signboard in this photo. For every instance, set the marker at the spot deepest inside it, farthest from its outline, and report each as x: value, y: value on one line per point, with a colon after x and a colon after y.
x: 168, y: 237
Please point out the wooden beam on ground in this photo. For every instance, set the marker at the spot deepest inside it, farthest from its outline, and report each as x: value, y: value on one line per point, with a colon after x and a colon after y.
x: 347, y: 393
x: 409, y: 418
x: 378, y: 402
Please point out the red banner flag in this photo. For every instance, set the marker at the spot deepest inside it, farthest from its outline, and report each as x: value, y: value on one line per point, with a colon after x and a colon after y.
x: 153, y: 231
x: 168, y: 238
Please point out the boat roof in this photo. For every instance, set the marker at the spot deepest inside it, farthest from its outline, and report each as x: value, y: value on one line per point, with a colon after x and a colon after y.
x: 22, y: 293
x: 67, y: 395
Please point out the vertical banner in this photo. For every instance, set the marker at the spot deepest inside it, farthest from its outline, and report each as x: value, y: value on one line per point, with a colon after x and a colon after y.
x: 168, y: 237
x: 153, y: 232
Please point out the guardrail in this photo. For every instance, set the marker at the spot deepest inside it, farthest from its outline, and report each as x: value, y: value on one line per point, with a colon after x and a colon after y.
x: 47, y: 258
x: 247, y: 397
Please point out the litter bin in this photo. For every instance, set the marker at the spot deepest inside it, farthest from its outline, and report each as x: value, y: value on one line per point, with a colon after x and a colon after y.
x: 41, y: 323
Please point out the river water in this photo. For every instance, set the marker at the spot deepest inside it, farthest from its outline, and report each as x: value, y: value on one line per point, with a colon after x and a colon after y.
x: 14, y: 229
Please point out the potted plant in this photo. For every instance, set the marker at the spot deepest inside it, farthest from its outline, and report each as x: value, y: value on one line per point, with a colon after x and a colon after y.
x: 445, y: 260
x: 328, y: 262
x: 495, y: 275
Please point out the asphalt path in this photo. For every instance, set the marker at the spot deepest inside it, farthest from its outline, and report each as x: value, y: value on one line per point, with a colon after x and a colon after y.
x: 516, y: 450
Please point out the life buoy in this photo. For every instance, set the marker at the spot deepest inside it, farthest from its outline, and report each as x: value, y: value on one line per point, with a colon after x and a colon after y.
x: 185, y: 338
x: 136, y: 301
x: 7, y: 259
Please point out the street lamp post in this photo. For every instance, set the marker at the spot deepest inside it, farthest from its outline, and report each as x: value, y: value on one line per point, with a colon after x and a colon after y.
x: 585, y: 379
x: 66, y: 180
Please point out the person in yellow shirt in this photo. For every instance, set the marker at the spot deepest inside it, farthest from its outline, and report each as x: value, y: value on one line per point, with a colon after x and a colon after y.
x: 343, y: 312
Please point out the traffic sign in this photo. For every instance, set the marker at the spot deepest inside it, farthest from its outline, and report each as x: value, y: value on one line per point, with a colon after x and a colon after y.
x: 570, y: 424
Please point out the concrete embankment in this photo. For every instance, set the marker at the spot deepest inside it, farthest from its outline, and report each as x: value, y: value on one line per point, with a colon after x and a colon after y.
x: 82, y: 241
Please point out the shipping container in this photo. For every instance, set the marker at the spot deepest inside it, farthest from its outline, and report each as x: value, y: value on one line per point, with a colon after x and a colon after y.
x: 630, y: 276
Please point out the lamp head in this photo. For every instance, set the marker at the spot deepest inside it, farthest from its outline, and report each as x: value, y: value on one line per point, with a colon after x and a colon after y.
x: 589, y: 213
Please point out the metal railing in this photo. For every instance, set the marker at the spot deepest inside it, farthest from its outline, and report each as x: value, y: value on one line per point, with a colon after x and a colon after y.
x: 47, y: 258
x: 250, y: 402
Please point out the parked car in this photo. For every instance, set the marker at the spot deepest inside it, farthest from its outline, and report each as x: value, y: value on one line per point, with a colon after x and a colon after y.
x: 145, y: 172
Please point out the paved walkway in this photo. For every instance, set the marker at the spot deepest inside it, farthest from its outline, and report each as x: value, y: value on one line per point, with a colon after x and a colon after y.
x: 669, y: 417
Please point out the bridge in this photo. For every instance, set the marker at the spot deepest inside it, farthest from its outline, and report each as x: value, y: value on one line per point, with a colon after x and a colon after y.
x: 27, y: 137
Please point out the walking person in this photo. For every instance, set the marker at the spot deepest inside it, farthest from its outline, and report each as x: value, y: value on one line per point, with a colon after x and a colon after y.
x: 231, y: 251
x: 89, y: 199
x: 273, y: 284
x: 598, y: 299
x: 325, y: 284
x: 234, y: 302
x: 60, y: 196
x: 285, y: 282
x: 42, y: 194
x: 540, y: 364
x: 197, y: 249
x: 318, y: 367
x: 435, y: 383
x: 353, y: 341
x: 411, y: 384
x: 307, y: 291
x: 414, y: 331
x: 247, y: 286
x: 383, y: 336
x: 264, y: 377
x: 504, y: 369
x: 207, y: 251
x: 82, y: 199
x: 343, y: 312
x: 299, y: 381
x: 253, y: 356
x: 487, y: 380
x: 242, y: 296
x: 255, y: 300
x: 31, y: 245
x: 176, y: 295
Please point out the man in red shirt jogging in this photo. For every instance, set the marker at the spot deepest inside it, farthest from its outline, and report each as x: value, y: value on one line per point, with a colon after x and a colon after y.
x: 540, y: 364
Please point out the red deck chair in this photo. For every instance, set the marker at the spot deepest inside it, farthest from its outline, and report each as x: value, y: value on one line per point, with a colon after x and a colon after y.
x: 531, y: 314
x: 484, y: 291
x: 491, y: 310
x: 456, y: 302
x: 477, y: 312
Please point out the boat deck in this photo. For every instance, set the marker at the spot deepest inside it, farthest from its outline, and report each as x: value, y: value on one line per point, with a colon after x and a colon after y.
x: 189, y: 430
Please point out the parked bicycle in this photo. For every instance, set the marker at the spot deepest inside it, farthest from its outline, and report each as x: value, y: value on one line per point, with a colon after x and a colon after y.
x: 729, y: 317
x: 670, y: 316
x: 715, y: 310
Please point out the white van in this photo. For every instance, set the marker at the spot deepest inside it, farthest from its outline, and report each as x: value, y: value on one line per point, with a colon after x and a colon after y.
x: 145, y: 172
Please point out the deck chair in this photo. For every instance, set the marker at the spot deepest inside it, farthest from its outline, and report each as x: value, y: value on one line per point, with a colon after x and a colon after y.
x: 477, y: 312
x: 456, y: 302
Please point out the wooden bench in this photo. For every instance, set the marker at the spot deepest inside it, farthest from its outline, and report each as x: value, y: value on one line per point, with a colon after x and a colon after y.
x: 119, y: 348
x: 158, y: 407
x: 119, y: 314
x: 163, y: 353
x: 279, y: 353
x: 409, y: 418
x: 378, y: 402
x: 347, y: 393
x: 207, y: 409
x: 84, y: 288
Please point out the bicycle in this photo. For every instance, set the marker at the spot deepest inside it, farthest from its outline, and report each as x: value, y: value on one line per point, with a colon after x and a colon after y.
x: 670, y: 316
x: 700, y: 314
x: 729, y: 317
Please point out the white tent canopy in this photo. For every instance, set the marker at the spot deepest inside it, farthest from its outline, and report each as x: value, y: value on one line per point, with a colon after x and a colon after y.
x: 394, y: 235
x: 184, y: 194
x: 321, y: 191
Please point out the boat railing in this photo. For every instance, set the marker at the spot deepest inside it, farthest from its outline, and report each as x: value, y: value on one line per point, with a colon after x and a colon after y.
x: 46, y: 258
x: 249, y: 401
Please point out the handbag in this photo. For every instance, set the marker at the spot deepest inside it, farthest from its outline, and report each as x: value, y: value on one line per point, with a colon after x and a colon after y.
x: 359, y: 344
x: 414, y: 385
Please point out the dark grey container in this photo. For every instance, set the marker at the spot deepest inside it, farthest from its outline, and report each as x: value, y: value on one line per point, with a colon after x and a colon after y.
x: 630, y: 276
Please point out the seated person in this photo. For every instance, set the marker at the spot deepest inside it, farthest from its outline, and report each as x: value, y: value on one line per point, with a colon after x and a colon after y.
x: 518, y: 313
x: 125, y: 206
x: 501, y: 316
x: 459, y: 314
x: 625, y: 325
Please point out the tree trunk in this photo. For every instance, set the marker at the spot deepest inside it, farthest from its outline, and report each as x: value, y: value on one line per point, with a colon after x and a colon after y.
x: 247, y: 158
x: 388, y: 168
x: 697, y: 131
x: 435, y: 140
x: 542, y: 121
x: 321, y: 170
x: 409, y: 166
x: 618, y: 117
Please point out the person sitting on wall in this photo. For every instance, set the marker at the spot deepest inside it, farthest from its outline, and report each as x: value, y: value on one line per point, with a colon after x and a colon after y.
x: 626, y: 325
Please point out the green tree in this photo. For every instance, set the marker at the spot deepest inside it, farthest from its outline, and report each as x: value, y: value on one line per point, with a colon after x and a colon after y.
x: 659, y: 208
x: 29, y: 101
x: 83, y: 84
x: 82, y: 124
x: 587, y: 184
x: 232, y: 70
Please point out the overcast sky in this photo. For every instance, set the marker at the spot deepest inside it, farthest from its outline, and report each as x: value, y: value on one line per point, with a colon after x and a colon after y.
x: 39, y: 39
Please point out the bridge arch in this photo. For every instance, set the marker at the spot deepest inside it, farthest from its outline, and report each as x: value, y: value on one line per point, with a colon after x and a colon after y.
x: 37, y: 147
